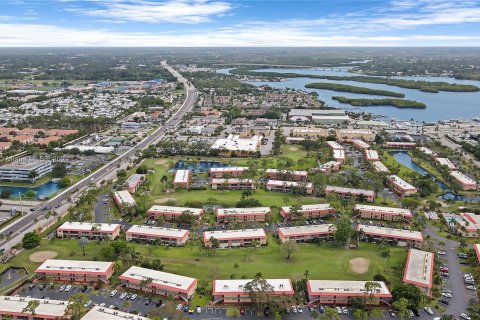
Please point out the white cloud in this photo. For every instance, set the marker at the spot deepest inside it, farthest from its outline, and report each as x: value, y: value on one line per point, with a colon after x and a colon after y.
x: 173, y: 11
x: 33, y: 35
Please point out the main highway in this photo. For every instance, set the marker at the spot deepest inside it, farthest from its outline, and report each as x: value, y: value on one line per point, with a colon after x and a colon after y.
x: 60, y: 202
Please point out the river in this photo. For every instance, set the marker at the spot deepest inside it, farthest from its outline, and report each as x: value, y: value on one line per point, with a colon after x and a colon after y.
x: 440, y: 106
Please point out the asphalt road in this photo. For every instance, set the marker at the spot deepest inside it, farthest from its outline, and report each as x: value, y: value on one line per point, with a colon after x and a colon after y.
x: 27, y: 222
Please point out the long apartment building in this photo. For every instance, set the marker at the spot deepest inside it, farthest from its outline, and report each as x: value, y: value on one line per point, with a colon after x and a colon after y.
x: 134, y: 182
x: 464, y: 181
x: 15, y: 308
x: 476, y: 247
x: 97, y: 231
x: 378, y: 166
x: 341, y: 292
x: 399, y: 145
x: 371, y: 155
x: 160, y: 235
x: 383, y: 213
x: 469, y: 225
x: 308, y: 211
x: 26, y: 169
x: 419, y: 270
x: 123, y: 198
x: 220, y: 172
x: 347, y: 193
x: 75, y: 270
x: 324, y: 232
x: 233, y: 291
x: 242, y: 214
x: 290, y: 175
x: 446, y: 162
x: 171, y: 212
x: 330, y: 166
x: 159, y: 283
x: 181, y: 179
x: 236, y: 238
x: 400, y: 237
x: 104, y: 313
x: 400, y: 186
x: 232, y: 184
x: 350, y: 134
x: 289, y: 186
x: 360, y: 144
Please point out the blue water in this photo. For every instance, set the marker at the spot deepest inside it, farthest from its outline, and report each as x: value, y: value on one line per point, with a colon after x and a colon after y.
x: 200, y: 166
x: 440, y: 106
x: 404, y: 158
x: 41, y: 191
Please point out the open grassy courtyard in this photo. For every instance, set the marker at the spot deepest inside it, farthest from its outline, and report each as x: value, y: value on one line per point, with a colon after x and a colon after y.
x: 325, y: 261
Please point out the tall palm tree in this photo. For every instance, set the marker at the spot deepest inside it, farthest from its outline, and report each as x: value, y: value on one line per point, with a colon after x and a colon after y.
x: 82, y: 242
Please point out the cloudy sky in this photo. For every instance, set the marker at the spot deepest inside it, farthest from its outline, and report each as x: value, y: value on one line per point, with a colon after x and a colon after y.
x: 186, y: 23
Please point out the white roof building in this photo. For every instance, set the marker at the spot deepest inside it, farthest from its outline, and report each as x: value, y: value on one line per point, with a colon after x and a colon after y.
x: 385, y: 210
x: 89, y: 226
x: 225, y: 287
x: 307, y: 230
x: 181, y: 176
x: 462, y: 178
x: 124, y: 197
x: 235, y: 143
x: 391, y: 232
x: 158, y: 231
x: 419, y: 268
x: 235, y: 234
x: 372, y: 155
x: 96, y: 149
x: 446, y: 162
x: 174, y: 210
x: 340, y: 287
x: 103, y: 313
x: 310, y: 207
x: 75, y: 266
x: 335, y: 145
x: 159, y: 278
x: 243, y: 211
x: 378, y: 166
x: 47, y: 309
x: 426, y: 151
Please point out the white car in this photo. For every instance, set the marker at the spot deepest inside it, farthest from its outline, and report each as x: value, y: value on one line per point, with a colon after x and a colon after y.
x: 447, y: 295
x: 465, y: 316
x: 344, y: 310
x: 294, y: 309
x: 339, y: 310
x: 179, y: 307
x: 473, y: 288
x: 299, y: 309
x: 62, y: 288
x: 68, y: 288
x: 102, y: 304
x: 111, y: 306
x: 428, y: 310
x: 442, y: 253
x: 122, y: 296
x: 199, y: 310
x: 113, y: 293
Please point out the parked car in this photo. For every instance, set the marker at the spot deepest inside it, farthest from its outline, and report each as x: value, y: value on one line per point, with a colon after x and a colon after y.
x: 465, y: 316
x: 473, y: 288
x: 30, y: 287
x: 442, y: 253
x: 199, y: 310
x: 339, y: 310
x: 447, y: 294
x: 266, y: 311
x: 134, y: 297
x: 294, y: 309
x: 148, y: 302
x: 122, y: 296
x: 113, y: 293
x: 62, y: 288
x: 445, y: 274
x: 102, y: 304
x: 428, y: 310
x: 68, y: 288
x: 344, y: 310
x: 88, y: 304
x: 242, y: 311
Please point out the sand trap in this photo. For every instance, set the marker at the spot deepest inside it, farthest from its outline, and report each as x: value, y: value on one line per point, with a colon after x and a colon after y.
x: 161, y: 161
x: 164, y: 200
x: 41, y: 256
x: 293, y: 148
x: 359, y: 265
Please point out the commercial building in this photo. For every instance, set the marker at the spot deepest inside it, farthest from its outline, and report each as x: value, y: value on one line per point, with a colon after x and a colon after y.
x: 75, y: 270
x: 464, y: 181
x: 341, y: 292
x: 400, y: 237
x: 15, y: 308
x: 159, y: 235
x: 159, y: 283
x: 289, y: 186
x: 350, y: 134
x: 182, y: 179
x: 360, y: 144
x: 172, y: 213
x: 383, y: 213
x: 233, y: 291
x: 379, y: 167
x: 134, y: 182
x: 372, y: 155
x: 103, y: 313
x: 236, y: 238
x: 97, y: 231
x: 339, y: 155
x: 400, y: 186
x: 96, y: 149
x: 419, y: 270
x: 308, y: 233
x: 123, y: 198
x: 308, y: 211
x: 26, y: 169
x: 233, y: 171
x: 242, y: 214
x: 303, y: 115
x: 234, y: 145
x: 330, y: 166
x: 276, y: 174
x: 232, y: 184
x: 347, y: 193
x: 399, y: 145
x: 310, y: 132
x: 446, y: 162
x: 334, y: 119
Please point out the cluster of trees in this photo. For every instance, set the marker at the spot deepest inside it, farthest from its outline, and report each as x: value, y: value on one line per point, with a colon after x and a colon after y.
x: 353, y: 89
x: 397, y: 103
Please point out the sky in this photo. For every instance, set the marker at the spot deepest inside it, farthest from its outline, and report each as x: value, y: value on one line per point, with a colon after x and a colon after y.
x: 238, y: 23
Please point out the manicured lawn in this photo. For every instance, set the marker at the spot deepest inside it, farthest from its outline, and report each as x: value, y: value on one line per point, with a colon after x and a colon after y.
x: 293, y: 152
x: 326, y: 261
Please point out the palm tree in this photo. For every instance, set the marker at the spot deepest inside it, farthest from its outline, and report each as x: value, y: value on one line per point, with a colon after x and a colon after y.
x: 385, y: 254
x: 82, y: 242
x: 306, y: 274
x: 31, y: 307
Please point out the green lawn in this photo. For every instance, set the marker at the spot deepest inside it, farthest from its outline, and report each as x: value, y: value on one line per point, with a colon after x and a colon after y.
x: 325, y: 261
x: 293, y: 152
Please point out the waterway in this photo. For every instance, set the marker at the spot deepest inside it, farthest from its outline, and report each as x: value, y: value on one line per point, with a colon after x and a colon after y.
x: 42, y: 191
x: 440, y: 106
x: 404, y: 158
x: 198, y: 166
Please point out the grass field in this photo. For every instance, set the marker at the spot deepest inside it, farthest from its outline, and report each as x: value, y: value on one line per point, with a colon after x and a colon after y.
x: 326, y: 261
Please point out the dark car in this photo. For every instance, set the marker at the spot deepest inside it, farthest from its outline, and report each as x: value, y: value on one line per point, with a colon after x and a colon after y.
x: 42, y: 287
x: 158, y: 303
x: 30, y: 287
x: 415, y: 312
x: 242, y: 311
x: 148, y: 301
x: 185, y: 308
x: 266, y: 311
x: 84, y: 289
x: 445, y: 301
